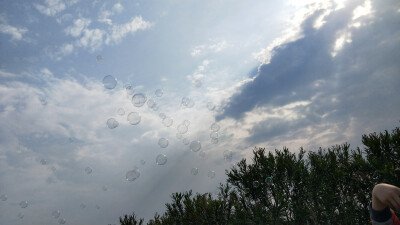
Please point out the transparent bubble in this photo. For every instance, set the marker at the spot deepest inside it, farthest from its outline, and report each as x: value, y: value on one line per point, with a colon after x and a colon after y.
x: 197, y: 83
x: 228, y: 155
x: 202, y: 154
x: 43, y: 100
x: 215, y: 127
x: 97, y: 206
x: 134, y: 118
x: 214, y: 140
x: 195, y: 146
x: 214, y: 135
x: 151, y: 103
x: 155, y: 107
x: 194, y: 171
x: 161, y: 159
x: 179, y: 136
x: 88, y: 170
x: 142, y: 162
x: 20, y: 215
x: 99, y: 58
x: 43, y: 161
x: 121, y: 111
x: 162, y: 115
x: 112, y: 123
x: 268, y: 180
x: 109, y: 82
x: 255, y: 184
x: 163, y: 142
x: 62, y: 221
x: 182, y: 128
x: 82, y: 206
x: 186, y: 123
x: 168, y: 121
x: 55, y: 214
x: 53, y: 168
x: 23, y: 204
x: 190, y: 103
x: 129, y: 89
x: 211, y: 174
x: 3, y: 197
x: 210, y: 106
x: 185, y: 101
x: 185, y: 141
x: 132, y: 175
x: 104, y: 188
x: 159, y: 92
x: 139, y: 99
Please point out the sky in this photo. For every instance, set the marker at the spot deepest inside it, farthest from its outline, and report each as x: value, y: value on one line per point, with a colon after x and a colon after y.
x: 219, y: 78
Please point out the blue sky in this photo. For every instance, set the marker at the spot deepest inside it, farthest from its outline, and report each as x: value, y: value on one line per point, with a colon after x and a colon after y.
x: 279, y: 73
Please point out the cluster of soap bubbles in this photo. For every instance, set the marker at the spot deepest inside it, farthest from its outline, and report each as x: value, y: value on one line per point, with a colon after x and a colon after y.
x: 228, y: 155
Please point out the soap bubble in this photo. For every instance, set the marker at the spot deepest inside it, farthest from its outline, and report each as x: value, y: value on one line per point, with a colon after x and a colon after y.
x: 211, y: 174
x: 53, y: 168
x: 129, y: 89
x: 214, y: 135
x: 168, y: 121
x: 62, y: 221
x: 190, y: 103
x: 109, y: 82
x: 155, y: 107
x: 202, y: 154
x: 83, y: 206
x: 132, y: 175
x: 215, y: 127
x: 159, y: 92
x: 268, y: 180
x: 142, y: 162
x: 55, y: 214
x: 163, y: 143
x: 162, y: 115
x: 194, y: 171
x: 20, y: 215
x: 139, y: 99
x: 197, y: 83
x: 195, y: 146
x: 23, y: 204
x: 99, y: 58
x: 179, y: 136
x: 121, y: 111
x: 185, y: 141
x: 210, y: 106
x: 3, y: 197
x: 43, y: 161
x: 186, y: 123
x: 228, y: 155
x: 214, y: 140
x: 88, y: 170
x: 112, y: 123
x: 182, y: 128
x: 151, y: 103
x: 134, y: 118
x: 104, y: 188
x: 161, y: 159
x: 185, y: 101
x: 43, y: 100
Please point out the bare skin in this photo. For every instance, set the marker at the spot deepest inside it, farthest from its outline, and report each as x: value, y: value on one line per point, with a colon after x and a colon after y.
x: 384, y: 195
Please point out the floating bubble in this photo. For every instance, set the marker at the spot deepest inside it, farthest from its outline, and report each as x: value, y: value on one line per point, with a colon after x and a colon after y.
x: 155, y: 107
x: 162, y: 115
x: 214, y: 140
x: 129, y: 89
x: 215, y: 127
x: 23, y: 204
x: 109, y: 82
x: 195, y: 146
x: 53, y: 168
x: 104, y: 188
x: 97, y: 206
x: 132, y: 175
x: 210, y: 106
x: 43, y: 100
x: 134, y: 118
x: 185, y: 141
x: 197, y: 83
x: 112, y: 123
x: 99, y: 58
x: 142, y: 162
x: 168, y: 121
x: 255, y: 184
x: 182, y: 128
x: 55, y: 214
x: 121, y: 111
x: 161, y: 159
x: 190, y: 103
x: 214, y: 135
x: 43, y: 161
x: 211, y: 174
x: 62, y: 221
x: 179, y: 136
x: 194, y: 171
x: 20, y: 215
x: 3, y: 197
x: 163, y: 142
x: 151, y: 103
x: 83, y: 206
x: 268, y: 179
x: 186, y: 123
x: 88, y: 170
x: 159, y: 92
x: 202, y: 154
x: 228, y: 155
x: 139, y: 99
x: 185, y: 101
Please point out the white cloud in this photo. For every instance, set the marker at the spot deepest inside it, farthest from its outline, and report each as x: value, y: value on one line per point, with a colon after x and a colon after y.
x: 51, y: 7
x: 5, y: 74
x: 213, y: 47
x: 78, y: 27
x: 92, y: 38
x: 104, y: 16
x: 118, y: 32
x: 15, y: 32
x: 118, y: 8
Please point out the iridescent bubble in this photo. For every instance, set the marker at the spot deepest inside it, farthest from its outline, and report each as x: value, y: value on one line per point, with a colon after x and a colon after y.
x: 132, y: 175
x: 23, y: 204
x: 43, y: 161
x: 142, y: 162
x: 134, y: 118
x: 179, y: 136
x: 20, y: 215
x: 215, y: 127
x: 195, y: 146
x: 151, y: 103
x: 210, y: 106
x: 228, y: 155
x: 197, y: 83
x: 268, y: 180
x: 162, y: 115
x: 83, y: 206
x: 43, y: 100
x: 3, y: 197
x: 139, y: 99
x: 121, y: 111
x: 202, y: 154
x: 194, y: 171
x: 159, y: 92
x: 211, y: 174
x: 104, y: 188
x: 186, y: 123
x: 55, y: 214
x: 185, y: 141
x: 109, y: 82
x: 255, y: 184
x: 168, y: 121
x: 214, y: 135
x: 88, y: 170
x: 214, y: 140
x: 182, y: 128
x: 99, y: 58
x: 163, y: 142
x: 112, y: 123
x: 161, y: 159
x: 62, y: 221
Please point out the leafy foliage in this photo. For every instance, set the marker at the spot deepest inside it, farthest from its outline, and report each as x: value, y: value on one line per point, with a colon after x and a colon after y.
x: 331, y: 186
